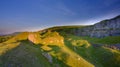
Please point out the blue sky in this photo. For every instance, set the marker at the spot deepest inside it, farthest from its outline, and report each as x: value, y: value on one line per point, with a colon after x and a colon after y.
x: 32, y: 15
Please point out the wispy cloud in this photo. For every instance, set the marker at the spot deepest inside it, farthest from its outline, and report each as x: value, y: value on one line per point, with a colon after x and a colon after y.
x: 65, y: 10
x: 59, y: 8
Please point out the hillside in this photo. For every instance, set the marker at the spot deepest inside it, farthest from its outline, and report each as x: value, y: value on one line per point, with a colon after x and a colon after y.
x: 109, y: 27
x: 96, y: 45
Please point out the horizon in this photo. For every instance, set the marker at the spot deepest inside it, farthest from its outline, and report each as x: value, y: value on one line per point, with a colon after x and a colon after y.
x: 35, y: 15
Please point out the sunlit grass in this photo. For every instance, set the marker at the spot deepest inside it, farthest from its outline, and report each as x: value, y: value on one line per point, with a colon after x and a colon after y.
x: 18, y: 37
x: 63, y: 53
x: 7, y: 46
x: 99, y: 56
x: 70, y: 58
x: 46, y: 48
x: 66, y: 50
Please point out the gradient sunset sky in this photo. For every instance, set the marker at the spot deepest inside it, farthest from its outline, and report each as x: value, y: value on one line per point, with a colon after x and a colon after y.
x: 32, y: 15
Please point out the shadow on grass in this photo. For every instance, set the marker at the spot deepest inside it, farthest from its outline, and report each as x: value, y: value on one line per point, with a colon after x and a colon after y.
x: 24, y: 55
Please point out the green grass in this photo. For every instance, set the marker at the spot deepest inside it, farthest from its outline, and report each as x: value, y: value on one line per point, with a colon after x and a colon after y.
x: 18, y: 37
x: 5, y: 38
x: 98, y: 56
x: 66, y: 51
x: 25, y: 55
x: 106, y: 40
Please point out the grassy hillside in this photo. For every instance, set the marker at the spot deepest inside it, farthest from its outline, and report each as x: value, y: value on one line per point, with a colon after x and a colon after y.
x: 106, y: 40
x: 18, y: 37
x: 55, y: 48
x: 24, y: 55
x: 52, y: 40
x: 99, y: 56
x: 63, y: 29
x: 5, y: 38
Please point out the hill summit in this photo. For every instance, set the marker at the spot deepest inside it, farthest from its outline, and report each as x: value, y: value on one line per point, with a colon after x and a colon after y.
x: 96, y: 45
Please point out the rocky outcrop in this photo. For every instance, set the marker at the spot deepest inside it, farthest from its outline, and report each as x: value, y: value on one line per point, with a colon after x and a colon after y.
x: 48, y: 56
x: 110, y: 27
x: 34, y: 37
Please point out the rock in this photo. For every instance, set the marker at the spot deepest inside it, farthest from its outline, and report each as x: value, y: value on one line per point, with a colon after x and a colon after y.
x: 34, y: 38
x: 48, y: 56
x: 114, y: 46
x: 104, y: 28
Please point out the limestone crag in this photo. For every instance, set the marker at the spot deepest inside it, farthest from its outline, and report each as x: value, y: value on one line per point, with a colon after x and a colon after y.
x: 110, y: 27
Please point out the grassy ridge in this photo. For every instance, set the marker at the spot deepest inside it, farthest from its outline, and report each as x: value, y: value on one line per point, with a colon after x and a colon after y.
x: 30, y: 49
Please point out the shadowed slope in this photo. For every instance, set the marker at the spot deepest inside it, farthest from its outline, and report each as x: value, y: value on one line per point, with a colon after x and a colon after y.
x: 24, y: 55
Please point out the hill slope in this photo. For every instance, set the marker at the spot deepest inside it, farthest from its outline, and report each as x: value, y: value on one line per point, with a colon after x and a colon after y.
x: 62, y: 47
x: 109, y: 27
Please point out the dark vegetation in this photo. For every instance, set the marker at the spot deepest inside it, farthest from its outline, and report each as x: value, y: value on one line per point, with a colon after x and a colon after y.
x: 4, y: 38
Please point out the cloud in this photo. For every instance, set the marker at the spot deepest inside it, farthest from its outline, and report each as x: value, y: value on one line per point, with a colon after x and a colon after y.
x: 65, y: 10
x: 58, y: 8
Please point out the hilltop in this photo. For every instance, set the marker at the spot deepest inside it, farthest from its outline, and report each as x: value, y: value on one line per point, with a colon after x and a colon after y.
x: 109, y: 27
x: 95, y: 45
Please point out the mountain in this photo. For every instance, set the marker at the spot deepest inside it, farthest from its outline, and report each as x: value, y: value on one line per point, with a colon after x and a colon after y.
x: 95, y: 45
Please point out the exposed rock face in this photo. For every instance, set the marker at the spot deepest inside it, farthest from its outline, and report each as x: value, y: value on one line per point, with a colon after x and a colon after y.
x: 104, y: 28
x: 48, y: 56
x: 34, y: 38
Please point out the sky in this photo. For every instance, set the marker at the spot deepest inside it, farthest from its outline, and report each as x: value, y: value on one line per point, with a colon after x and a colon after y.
x: 33, y: 15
